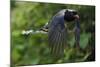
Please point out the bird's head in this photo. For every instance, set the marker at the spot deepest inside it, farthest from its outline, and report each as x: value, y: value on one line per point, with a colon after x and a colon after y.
x: 71, y: 15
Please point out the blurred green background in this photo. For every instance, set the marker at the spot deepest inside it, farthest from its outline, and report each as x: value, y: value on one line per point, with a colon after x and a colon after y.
x: 33, y: 49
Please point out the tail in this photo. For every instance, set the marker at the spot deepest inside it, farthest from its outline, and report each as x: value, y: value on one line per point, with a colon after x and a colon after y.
x: 44, y: 29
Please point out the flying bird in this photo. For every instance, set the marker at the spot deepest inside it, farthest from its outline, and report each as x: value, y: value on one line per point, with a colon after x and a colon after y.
x: 57, y: 30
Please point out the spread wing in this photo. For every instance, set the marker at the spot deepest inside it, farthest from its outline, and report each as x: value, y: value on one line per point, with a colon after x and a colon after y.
x: 57, y: 35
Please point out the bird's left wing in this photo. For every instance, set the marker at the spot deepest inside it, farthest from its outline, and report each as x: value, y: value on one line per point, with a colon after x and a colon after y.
x: 57, y: 34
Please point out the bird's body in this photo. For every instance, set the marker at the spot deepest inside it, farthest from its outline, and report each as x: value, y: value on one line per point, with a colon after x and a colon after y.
x: 57, y: 31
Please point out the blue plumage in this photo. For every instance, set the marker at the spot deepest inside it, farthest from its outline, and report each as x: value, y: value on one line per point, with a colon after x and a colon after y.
x: 57, y: 31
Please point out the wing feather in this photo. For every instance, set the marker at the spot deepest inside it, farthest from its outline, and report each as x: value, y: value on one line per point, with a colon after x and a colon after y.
x: 57, y: 40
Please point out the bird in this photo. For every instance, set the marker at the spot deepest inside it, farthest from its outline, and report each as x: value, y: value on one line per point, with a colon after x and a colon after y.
x: 57, y: 30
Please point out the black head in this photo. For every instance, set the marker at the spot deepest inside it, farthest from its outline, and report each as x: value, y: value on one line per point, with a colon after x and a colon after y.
x: 70, y: 15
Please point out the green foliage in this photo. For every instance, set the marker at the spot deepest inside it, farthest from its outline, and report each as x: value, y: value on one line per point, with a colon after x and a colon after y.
x: 33, y: 49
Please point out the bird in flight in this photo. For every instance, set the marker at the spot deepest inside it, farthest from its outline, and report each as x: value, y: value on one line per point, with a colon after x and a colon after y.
x: 57, y: 30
